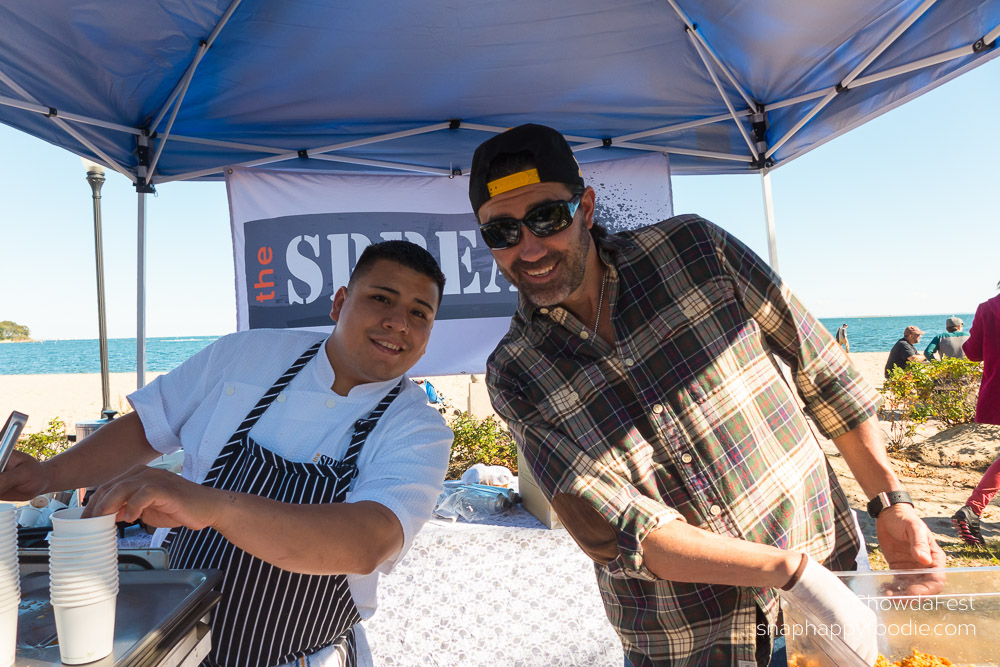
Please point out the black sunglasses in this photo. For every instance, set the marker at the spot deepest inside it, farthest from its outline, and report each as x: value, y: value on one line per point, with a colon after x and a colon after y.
x: 544, y: 220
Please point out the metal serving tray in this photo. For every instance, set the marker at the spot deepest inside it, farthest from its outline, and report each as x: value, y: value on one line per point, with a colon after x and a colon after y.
x: 155, y: 609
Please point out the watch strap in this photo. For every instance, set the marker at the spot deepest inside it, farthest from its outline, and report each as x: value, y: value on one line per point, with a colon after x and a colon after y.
x: 887, y: 499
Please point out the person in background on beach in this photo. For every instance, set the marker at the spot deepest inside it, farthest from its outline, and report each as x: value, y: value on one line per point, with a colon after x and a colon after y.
x: 904, y: 350
x: 983, y: 345
x: 948, y: 344
x: 334, y: 463
x: 637, y: 380
x: 842, y: 341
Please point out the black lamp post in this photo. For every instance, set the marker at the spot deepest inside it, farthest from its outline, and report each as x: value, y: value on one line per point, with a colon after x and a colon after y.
x: 95, y: 176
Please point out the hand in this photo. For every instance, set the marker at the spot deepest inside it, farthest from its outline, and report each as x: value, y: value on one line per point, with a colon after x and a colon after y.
x: 158, y: 497
x: 830, y: 602
x: 23, y: 478
x: 908, y: 544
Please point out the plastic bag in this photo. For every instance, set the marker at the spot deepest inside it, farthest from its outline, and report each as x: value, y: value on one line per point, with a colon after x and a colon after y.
x: 491, y: 475
x: 471, y: 502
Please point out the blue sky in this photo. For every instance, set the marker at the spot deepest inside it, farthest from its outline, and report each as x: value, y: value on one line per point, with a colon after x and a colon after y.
x: 898, y: 217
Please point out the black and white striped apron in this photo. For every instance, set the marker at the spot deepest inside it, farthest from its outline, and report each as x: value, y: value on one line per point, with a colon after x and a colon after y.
x: 268, y: 616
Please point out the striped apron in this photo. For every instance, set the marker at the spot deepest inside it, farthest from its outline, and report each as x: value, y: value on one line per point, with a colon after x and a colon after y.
x: 268, y: 616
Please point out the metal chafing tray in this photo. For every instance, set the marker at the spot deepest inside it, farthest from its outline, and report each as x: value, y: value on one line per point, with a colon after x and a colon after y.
x: 158, y: 611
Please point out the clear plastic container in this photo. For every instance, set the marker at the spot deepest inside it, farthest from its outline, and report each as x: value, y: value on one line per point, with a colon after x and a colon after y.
x: 951, y: 613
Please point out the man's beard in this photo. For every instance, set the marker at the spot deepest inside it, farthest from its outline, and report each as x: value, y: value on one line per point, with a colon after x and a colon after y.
x: 571, y: 267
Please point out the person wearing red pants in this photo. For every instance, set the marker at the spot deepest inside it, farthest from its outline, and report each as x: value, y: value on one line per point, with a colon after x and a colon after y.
x: 983, y: 345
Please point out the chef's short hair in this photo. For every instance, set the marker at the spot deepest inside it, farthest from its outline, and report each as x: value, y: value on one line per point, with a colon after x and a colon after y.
x: 406, y: 253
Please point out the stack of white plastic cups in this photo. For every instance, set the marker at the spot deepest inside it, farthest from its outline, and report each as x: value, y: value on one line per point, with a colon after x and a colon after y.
x: 10, y: 585
x: 83, y: 584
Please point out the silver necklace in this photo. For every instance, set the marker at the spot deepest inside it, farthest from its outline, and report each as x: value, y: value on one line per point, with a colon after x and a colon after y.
x: 600, y: 301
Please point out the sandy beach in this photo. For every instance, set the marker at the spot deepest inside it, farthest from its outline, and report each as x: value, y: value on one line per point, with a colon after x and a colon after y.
x: 940, y: 474
x: 77, y: 397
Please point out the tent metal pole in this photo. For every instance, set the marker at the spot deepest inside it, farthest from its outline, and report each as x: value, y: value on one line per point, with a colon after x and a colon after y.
x: 887, y: 42
x: 849, y: 79
x: 772, y: 241
x: 661, y: 130
x: 64, y: 126
x: 722, y: 94
x: 915, y: 65
x: 693, y: 28
x: 992, y: 35
x: 173, y: 116
x: 227, y: 144
x: 140, y: 294
x: 381, y: 163
x: 682, y: 151
x: 312, y: 151
x: 202, y: 49
x: 65, y: 115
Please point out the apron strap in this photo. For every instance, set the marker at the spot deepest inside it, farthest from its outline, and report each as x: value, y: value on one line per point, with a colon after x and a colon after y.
x: 279, y: 385
x: 364, y: 426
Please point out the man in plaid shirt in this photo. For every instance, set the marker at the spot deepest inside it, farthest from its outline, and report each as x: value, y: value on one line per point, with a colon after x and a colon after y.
x: 638, y: 378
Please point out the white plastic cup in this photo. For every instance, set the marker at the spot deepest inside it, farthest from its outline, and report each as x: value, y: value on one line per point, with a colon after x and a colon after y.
x: 28, y: 515
x: 8, y: 632
x: 68, y: 522
x: 82, y: 599
x: 109, y: 543
x: 81, y: 561
x: 83, y: 577
x: 86, y: 632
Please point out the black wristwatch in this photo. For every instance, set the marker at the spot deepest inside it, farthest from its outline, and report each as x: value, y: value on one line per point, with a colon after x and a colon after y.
x: 886, y: 499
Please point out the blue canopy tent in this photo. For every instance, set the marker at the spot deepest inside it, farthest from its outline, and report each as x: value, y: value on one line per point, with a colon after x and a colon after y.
x: 180, y: 89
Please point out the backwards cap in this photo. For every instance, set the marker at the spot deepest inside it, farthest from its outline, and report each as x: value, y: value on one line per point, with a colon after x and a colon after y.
x: 552, y: 156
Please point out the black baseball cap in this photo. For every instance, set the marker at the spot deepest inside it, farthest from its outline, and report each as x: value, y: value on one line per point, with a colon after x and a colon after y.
x: 552, y: 156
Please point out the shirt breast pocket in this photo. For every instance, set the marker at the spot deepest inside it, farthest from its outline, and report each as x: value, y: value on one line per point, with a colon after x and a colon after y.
x: 212, y: 425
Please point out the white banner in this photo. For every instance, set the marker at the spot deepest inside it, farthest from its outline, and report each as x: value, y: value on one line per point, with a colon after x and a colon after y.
x: 298, y: 234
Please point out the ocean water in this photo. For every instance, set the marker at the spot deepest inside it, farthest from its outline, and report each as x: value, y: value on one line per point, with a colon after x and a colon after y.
x: 84, y: 356
x: 866, y: 334
x: 879, y: 334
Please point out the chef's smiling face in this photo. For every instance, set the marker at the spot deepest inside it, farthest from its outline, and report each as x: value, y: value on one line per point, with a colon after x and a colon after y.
x: 383, y: 324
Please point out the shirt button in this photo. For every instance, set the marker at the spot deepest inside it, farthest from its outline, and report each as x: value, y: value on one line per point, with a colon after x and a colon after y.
x: 715, y: 510
x: 687, y: 458
x: 330, y: 402
x: 573, y: 396
x: 585, y: 334
x: 281, y: 398
x: 230, y: 391
x: 629, y: 362
x: 543, y: 311
x: 657, y: 408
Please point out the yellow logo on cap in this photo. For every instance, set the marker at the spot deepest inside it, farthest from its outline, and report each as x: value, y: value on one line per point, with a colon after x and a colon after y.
x: 513, y: 182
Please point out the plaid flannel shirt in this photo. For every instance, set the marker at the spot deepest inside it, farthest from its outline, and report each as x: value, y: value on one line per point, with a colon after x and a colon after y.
x: 685, y: 416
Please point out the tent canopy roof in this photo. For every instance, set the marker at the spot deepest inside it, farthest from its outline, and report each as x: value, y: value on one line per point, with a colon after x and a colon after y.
x: 257, y: 81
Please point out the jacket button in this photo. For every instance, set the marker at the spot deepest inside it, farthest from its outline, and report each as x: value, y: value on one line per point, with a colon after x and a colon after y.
x: 585, y: 334
x: 657, y: 408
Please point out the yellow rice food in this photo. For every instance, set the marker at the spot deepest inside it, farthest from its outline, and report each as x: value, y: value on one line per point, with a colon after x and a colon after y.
x: 917, y: 659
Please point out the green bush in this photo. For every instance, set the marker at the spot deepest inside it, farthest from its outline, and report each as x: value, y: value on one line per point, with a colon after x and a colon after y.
x: 45, y: 444
x: 480, y: 441
x: 944, y: 390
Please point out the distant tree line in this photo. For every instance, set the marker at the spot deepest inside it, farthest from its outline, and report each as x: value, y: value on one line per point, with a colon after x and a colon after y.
x: 13, y: 331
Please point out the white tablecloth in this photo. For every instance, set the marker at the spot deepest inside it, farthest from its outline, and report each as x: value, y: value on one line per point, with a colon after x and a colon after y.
x: 508, y: 593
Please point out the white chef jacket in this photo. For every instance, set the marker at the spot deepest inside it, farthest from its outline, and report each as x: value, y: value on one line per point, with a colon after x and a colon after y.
x: 199, y: 404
